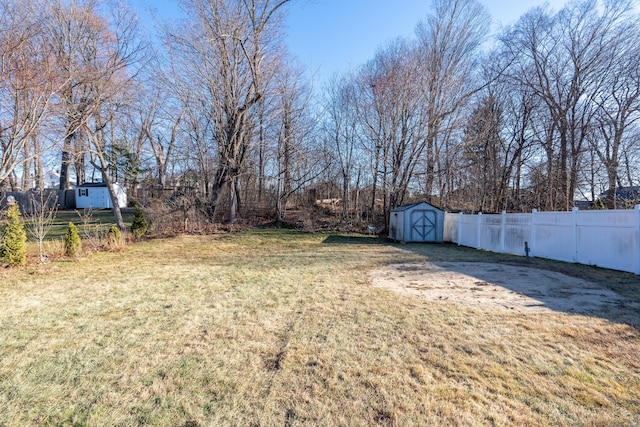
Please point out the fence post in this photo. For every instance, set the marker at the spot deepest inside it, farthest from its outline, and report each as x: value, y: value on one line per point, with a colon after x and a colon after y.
x: 460, y: 228
x: 637, y: 245
x: 532, y: 244
x: 503, y: 230
x: 574, y: 212
x: 479, y: 230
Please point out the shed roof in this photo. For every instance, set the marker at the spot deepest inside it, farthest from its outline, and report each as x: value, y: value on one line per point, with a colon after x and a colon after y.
x: 92, y: 184
x: 412, y: 205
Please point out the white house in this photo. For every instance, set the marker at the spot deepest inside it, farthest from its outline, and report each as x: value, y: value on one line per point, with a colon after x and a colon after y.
x: 416, y: 222
x: 51, y: 179
x: 96, y: 196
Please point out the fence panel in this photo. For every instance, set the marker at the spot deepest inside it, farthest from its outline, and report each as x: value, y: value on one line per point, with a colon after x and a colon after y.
x: 609, y: 239
x: 25, y: 199
x: 468, y: 230
x: 491, y: 233
x: 517, y: 231
x: 450, y: 232
x: 554, y: 236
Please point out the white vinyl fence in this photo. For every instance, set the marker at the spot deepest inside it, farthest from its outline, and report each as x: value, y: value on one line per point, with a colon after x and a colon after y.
x: 607, y: 238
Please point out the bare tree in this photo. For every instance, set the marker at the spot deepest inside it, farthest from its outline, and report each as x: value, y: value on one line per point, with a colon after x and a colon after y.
x: 393, y: 118
x: 114, y: 66
x: 618, y: 102
x: 27, y: 84
x: 630, y: 157
x: 342, y: 131
x: 295, y: 153
x: 161, y: 116
x: 226, y: 51
x: 77, y: 32
x: 449, y: 41
x: 41, y: 216
x: 484, y: 152
x: 498, y: 140
x: 563, y: 58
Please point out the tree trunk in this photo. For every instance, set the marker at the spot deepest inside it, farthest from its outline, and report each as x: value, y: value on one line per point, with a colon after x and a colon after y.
x: 374, y: 185
x: 357, y: 198
x: 65, y: 163
x: 26, y: 182
x: 117, y: 213
x: 612, y: 174
x: 345, y: 195
x: 261, y: 152
x: 233, y: 200
x: 628, y: 169
x: 79, y: 164
x: 37, y: 163
x: 549, y: 203
x: 162, y: 172
x: 219, y: 181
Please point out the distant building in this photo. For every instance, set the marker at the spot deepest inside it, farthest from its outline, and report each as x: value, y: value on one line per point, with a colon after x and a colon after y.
x: 51, y: 179
x: 583, y: 204
x: 624, y: 195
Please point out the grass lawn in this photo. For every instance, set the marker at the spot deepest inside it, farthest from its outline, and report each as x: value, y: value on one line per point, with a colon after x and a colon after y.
x: 267, y: 327
x: 97, y: 220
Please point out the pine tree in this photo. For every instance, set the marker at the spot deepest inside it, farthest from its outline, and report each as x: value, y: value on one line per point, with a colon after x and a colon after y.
x: 72, y: 242
x: 139, y: 225
x: 13, y: 247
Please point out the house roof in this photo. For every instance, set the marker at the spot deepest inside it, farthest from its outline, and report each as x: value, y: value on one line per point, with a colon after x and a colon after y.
x: 623, y: 193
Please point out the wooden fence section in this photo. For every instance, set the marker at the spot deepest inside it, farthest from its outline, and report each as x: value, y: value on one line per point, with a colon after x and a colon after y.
x: 64, y: 199
x: 604, y: 238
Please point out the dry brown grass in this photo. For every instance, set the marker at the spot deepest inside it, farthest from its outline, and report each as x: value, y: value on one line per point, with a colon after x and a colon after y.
x: 280, y: 328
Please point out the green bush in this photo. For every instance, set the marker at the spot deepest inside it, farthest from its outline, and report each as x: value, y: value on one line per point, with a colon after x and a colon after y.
x: 139, y: 225
x: 72, y: 242
x: 13, y: 246
x: 114, y: 236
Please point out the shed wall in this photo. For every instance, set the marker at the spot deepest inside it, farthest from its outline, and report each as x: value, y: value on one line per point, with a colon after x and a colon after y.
x: 98, y: 197
x: 396, y: 226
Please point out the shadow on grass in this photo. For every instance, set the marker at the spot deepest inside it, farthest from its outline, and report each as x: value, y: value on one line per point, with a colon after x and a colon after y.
x: 337, y: 239
x: 625, y: 309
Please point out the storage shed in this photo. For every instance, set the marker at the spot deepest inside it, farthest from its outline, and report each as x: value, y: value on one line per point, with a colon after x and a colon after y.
x: 96, y: 196
x: 416, y: 222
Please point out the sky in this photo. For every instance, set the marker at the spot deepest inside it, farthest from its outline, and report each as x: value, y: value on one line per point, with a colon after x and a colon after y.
x: 331, y: 36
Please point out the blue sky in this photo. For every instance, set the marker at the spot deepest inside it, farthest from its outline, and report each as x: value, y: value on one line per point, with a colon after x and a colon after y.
x: 330, y: 36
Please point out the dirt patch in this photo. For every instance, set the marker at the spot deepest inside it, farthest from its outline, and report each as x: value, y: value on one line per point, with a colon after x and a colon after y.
x: 496, y: 286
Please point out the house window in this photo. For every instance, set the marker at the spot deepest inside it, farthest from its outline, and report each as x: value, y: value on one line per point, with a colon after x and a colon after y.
x: 84, y: 192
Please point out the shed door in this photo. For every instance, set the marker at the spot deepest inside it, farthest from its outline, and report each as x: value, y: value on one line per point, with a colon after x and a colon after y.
x: 423, y: 226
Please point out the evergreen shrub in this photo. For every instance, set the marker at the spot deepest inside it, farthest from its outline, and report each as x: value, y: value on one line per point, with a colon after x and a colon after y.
x: 72, y: 242
x: 139, y: 225
x: 13, y: 245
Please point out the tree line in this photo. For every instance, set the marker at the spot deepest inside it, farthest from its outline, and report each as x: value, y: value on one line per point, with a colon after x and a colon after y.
x: 215, y: 110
